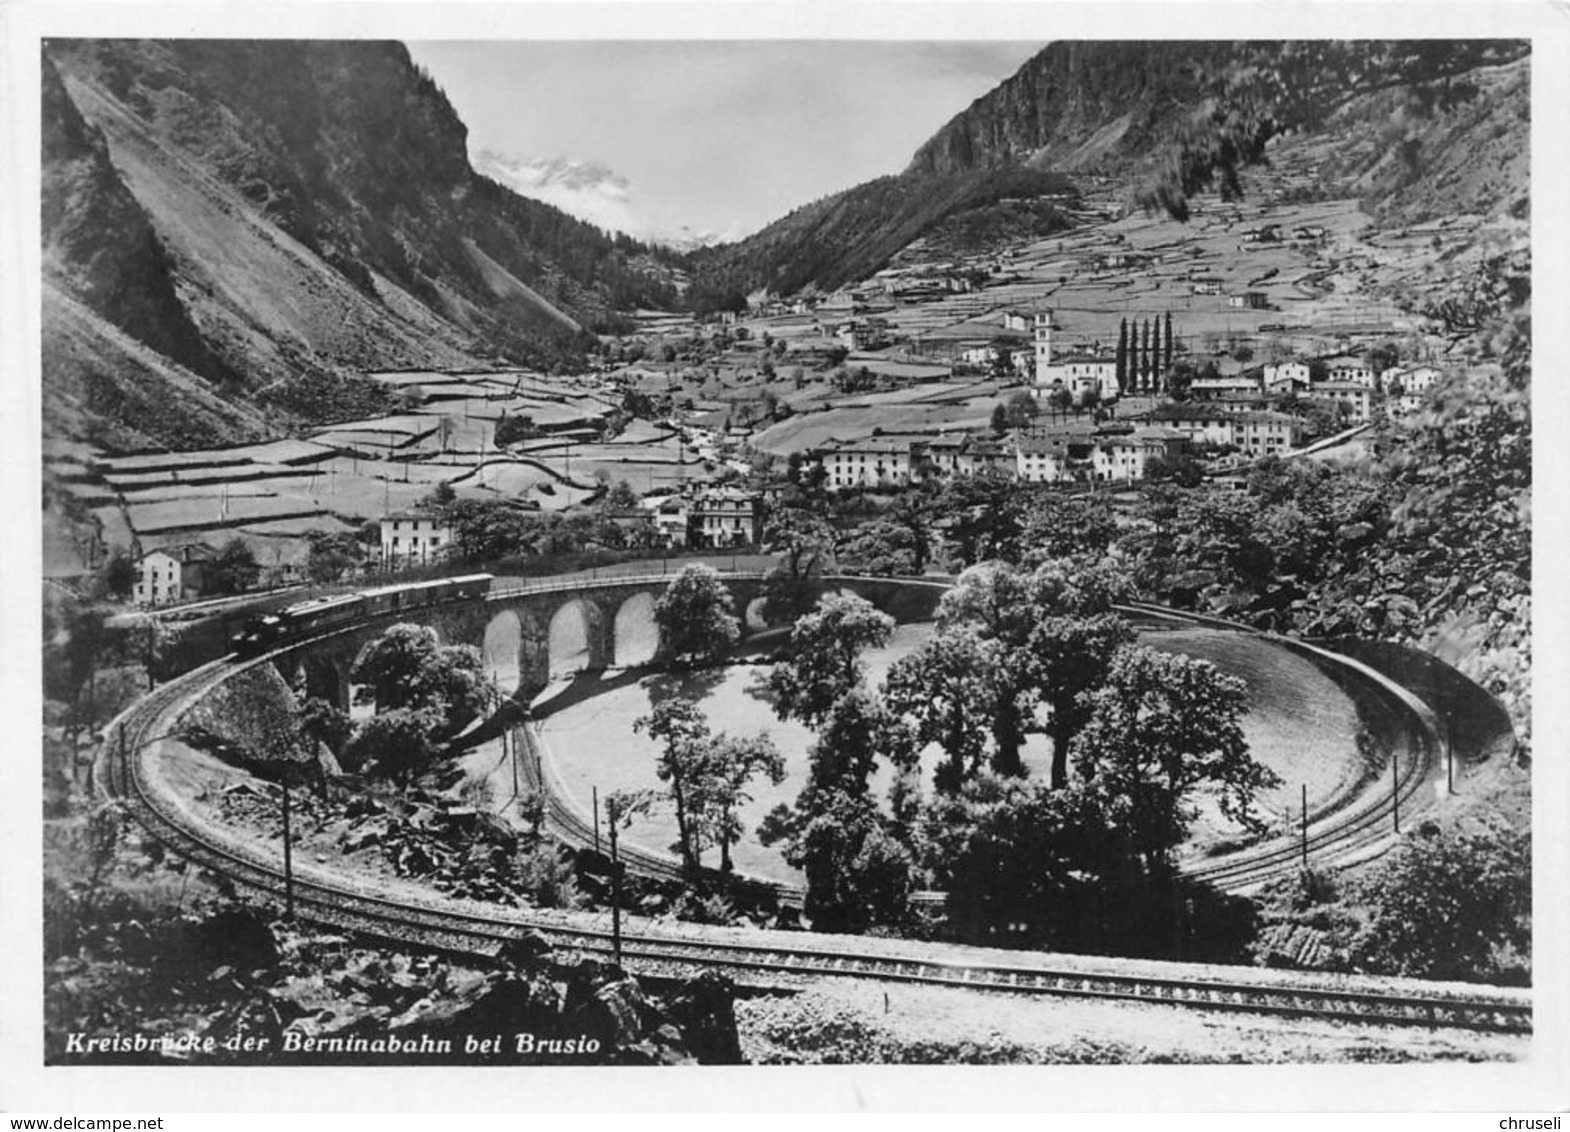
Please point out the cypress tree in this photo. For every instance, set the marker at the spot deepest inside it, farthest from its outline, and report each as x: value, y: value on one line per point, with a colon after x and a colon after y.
x: 1122, y: 358
x: 1145, y: 359
x: 1155, y: 356
x: 1166, y: 370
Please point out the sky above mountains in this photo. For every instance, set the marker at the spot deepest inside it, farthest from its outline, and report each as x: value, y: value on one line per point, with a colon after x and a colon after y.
x: 717, y: 137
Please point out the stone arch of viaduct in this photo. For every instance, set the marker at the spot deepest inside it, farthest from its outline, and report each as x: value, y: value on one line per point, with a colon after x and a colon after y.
x: 324, y: 666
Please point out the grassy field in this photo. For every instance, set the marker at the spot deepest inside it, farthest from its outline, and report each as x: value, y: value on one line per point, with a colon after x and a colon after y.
x: 1299, y: 724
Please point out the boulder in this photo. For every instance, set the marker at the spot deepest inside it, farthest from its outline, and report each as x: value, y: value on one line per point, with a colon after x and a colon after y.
x: 705, y: 1010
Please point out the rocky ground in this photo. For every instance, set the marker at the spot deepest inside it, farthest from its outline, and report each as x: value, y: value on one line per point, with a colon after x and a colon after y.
x: 231, y: 987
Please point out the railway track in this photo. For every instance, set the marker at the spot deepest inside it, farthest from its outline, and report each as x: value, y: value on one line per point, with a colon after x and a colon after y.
x: 128, y: 768
x: 1346, y: 833
x: 1350, y: 831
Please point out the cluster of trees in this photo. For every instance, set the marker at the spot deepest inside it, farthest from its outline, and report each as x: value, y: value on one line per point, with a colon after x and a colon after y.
x: 91, y: 672
x: 1136, y: 734
x: 1144, y: 359
x: 512, y: 429
x: 1452, y: 901
x: 707, y: 776
x: 423, y: 694
x: 858, y: 872
x: 486, y: 530
x: 332, y: 554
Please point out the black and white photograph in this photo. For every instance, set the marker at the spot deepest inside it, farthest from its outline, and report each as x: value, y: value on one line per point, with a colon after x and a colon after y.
x: 971, y: 540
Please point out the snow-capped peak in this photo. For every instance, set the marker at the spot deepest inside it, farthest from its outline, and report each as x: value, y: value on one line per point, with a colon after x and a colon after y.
x: 589, y: 190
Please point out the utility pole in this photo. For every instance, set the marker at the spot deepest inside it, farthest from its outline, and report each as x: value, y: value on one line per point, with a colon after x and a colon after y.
x: 615, y: 892
x: 1305, y: 826
x: 288, y: 854
x: 596, y: 803
x: 510, y: 736
x: 1450, y: 749
x: 1395, y: 791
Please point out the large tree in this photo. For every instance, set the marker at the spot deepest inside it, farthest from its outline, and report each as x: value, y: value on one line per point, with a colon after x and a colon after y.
x: 1146, y: 365
x: 1152, y: 380
x: 1163, y: 729
x: 825, y: 656
x: 683, y: 730
x: 485, y: 530
x: 407, y: 667
x: 984, y: 515
x: 390, y: 669
x: 332, y: 554
x: 1058, y: 526
x: 696, y: 617
x: 1046, y: 630
x: 396, y: 744
x: 879, y: 548
x: 946, y: 688
x: 858, y: 873
x: 804, y: 545
x: 1013, y: 857
x: 730, y: 763
x: 1124, y: 385
x: 1449, y: 904
x: 1166, y: 360
x: 233, y: 569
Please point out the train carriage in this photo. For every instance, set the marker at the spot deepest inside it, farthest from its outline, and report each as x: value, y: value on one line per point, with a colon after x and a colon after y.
x: 319, y: 615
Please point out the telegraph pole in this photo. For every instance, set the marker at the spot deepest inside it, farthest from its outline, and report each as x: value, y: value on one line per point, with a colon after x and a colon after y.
x: 596, y: 804
x: 1450, y: 749
x: 1305, y: 826
x: 510, y: 737
x: 288, y: 854
x: 615, y: 892
x: 1395, y: 791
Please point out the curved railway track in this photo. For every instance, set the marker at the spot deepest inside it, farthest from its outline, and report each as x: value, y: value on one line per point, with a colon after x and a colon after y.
x: 128, y: 768
x: 1346, y: 833
x: 1352, y: 830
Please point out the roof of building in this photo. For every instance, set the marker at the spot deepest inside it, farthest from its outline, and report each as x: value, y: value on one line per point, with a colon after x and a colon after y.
x: 186, y: 553
x: 416, y: 513
x: 1186, y: 413
x: 869, y: 444
x: 1082, y: 359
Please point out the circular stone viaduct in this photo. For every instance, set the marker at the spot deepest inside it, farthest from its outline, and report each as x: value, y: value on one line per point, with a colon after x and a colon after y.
x: 533, y: 633
x: 610, y: 621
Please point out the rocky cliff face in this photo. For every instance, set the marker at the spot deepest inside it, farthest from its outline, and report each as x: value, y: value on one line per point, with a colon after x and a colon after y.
x: 1115, y: 107
x: 1076, y: 105
x: 98, y: 243
x: 271, y: 218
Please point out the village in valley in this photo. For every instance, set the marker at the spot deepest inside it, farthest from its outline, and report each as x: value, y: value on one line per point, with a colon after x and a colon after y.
x: 1133, y: 348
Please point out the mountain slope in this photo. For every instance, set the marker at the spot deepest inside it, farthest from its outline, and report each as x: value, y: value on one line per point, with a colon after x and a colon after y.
x: 98, y: 243
x: 852, y: 234
x: 1076, y: 105
x: 277, y: 217
x: 1123, y: 110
